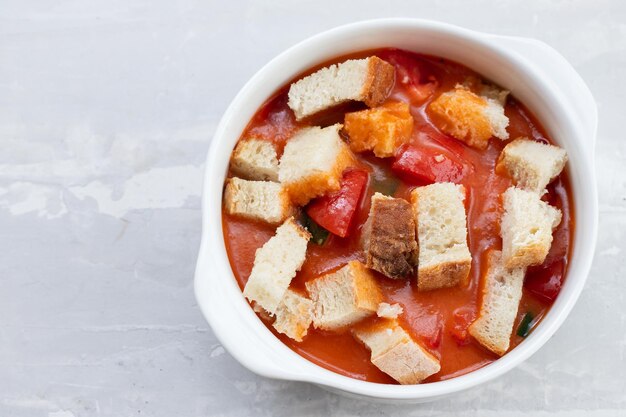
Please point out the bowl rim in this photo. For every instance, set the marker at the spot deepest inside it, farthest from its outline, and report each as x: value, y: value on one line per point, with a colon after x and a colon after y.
x: 330, y: 379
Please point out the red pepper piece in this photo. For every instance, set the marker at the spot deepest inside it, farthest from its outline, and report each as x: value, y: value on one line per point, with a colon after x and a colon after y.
x: 545, y: 281
x: 334, y: 212
x: 463, y: 317
x: 424, y: 165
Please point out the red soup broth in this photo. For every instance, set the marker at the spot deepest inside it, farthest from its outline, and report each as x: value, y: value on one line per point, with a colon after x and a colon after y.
x: 438, y: 319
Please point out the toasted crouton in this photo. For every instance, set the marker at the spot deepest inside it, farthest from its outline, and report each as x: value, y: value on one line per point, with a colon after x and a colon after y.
x: 368, y: 80
x: 526, y: 228
x: 255, y: 159
x: 444, y: 258
x: 396, y: 353
x: 275, y: 265
x: 531, y: 165
x: 344, y: 297
x: 381, y: 129
x: 388, y: 237
x: 389, y: 311
x: 501, y: 294
x: 259, y: 200
x: 469, y: 117
x: 294, y: 315
x: 313, y: 163
x: 494, y: 93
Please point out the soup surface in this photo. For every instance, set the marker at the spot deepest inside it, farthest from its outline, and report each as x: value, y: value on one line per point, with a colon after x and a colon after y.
x: 438, y: 319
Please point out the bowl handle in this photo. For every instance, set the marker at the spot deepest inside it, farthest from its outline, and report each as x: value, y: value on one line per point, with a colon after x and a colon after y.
x: 563, y: 75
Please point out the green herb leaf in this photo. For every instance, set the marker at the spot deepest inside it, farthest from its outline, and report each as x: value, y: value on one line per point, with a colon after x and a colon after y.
x: 388, y: 186
x: 525, y: 325
x: 319, y: 235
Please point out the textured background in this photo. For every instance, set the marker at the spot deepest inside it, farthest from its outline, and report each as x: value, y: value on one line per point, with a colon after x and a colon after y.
x: 106, y: 112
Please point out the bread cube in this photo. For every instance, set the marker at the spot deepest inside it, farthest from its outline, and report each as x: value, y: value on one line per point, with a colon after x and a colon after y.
x: 469, y: 117
x: 275, y: 265
x: 257, y: 200
x: 396, y: 353
x: 493, y: 92
x: 532, y: 165
x: 444, y: 258
x: 255, y: 159
x: 294, y: 315
x: 368, y: 80
x: 382, y: 129
x: 344, y: 297
x: 501, y: 294
x: 388, y: 237
x: 389, y: 311
x: 526, y: 228
x: 313, y: 163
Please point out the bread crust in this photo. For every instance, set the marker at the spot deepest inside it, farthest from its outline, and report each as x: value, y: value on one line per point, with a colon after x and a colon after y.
x: 533, y: 254
x: 389, y: 237
x: 379, y: 81
x: 443, y: 275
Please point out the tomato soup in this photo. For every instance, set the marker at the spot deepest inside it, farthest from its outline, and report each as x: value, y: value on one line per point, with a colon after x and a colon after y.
x: 438, y: 319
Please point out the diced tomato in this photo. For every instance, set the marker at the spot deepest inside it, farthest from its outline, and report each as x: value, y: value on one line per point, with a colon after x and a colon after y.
x: 413, y: 74
x: 463, y: 317
x: 334, y: 212
x: 419, y: 93
x: 425, y: 165
x: 435, y: 339
x: 545, y: 281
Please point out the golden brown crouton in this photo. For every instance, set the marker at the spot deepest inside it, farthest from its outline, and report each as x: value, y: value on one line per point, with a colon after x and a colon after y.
x: 469, y: 117
x: 381, y: 129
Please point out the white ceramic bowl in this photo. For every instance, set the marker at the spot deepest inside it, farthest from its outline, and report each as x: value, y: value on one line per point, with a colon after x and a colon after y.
x: 535, y: 74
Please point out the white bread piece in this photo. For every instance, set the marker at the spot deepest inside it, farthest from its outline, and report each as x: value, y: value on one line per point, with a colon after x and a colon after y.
x: 255, y: 159
x: 498, y: 121
x: 444, y: 257
x: 526, y: 228
x: 294, y: 315
x: 493, y: 92
x: 344, y: 297
x: 532, y: 165
x: 369, y: 80
x: 501, y: 294
x: 275, y: 265
x: 258, y: 200
x: 396, y: 353
x: 313, y: 163
x: 389, y: 311
x: 469, y: 117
